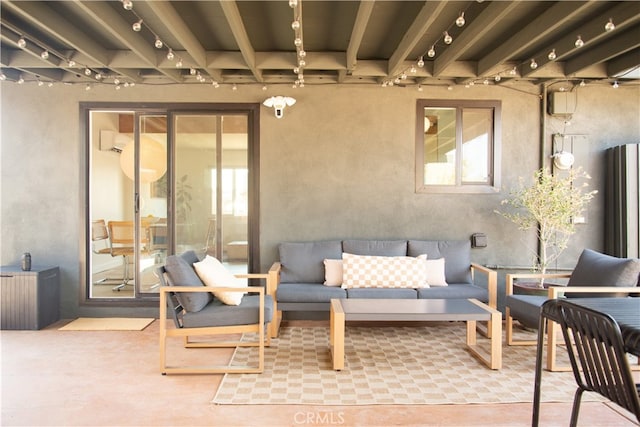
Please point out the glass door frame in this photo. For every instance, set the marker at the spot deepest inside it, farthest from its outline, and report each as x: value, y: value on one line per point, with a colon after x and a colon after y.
x: 251, y: 110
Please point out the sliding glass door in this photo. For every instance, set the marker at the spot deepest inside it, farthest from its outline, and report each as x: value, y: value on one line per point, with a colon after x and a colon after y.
x: 212, y: 186
x: 163, y: 182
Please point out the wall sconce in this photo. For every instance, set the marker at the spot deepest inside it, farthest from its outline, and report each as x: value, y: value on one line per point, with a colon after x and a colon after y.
x: 278, y: 103
x: 563, y: 160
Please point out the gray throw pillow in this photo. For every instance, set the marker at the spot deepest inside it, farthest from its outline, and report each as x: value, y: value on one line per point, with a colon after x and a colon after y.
x: 181, y: 273
x: 596, y: 269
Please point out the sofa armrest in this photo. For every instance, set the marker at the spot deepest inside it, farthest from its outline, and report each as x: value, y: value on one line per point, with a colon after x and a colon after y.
x: 511, y: 276
x: 492, y: 282
x: 556, y: 291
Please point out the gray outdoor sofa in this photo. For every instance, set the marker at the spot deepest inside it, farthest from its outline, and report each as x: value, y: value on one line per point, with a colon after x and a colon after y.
x: 300, y: 273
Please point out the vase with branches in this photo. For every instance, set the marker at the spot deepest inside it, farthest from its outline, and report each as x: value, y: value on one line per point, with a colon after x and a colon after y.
x: 550, y: 205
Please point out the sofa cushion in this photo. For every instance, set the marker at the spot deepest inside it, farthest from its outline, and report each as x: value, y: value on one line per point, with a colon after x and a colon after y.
x: 332, y: 272
x: 219, y: 314
x: 457, y: 255
x: 214, y: 274
x: 376, y: 247
x: 308, y: 292
x: 304, y: 262
x: 462, y: 290
x: 382, y: 293
x: 181, y: 273
x: 597, y: 269
x: 525, y: 308
x: 366, y: 271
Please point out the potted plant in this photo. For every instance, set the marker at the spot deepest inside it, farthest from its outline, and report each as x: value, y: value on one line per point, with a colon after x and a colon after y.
x: 549, y: 205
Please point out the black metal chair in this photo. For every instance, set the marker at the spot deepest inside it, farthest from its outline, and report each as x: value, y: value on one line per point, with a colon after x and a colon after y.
x: 598, y: 357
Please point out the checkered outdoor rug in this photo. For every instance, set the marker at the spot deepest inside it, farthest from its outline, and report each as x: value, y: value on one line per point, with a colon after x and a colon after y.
x: 388, y: 365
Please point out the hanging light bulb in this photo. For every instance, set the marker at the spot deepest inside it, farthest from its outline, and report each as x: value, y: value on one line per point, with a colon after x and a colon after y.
x: 447, y: 38
x: 533, y: 64
x: 579, y: 43
x: 302, y: 53
x: 40, y: 82
x: 3, y: 77
x: 158, y: 43
x: 170, y: 55
x: 22, y: 43
x: 293, y: 3
x: 118, y: 87
x: 552, y: 55
x: 497, y: 78
x: 234, y: 87
x: 615, y: 85
x: 87, y: 87
x: 297, y: 42
x: 421, y: 62
x: 420, y: 88
x: 432, y: 52
x: 116, y: 81
x: 98, y: 76
x: 192, y: 71
x: 179, y: 63
x: 485, y: 82
x: 87, y: 72
x: 137, y: 26
x: 302, y: 63
x: 610, y: 26
x: 50, y: 84
x: 513, y: 71
x: 295, y: 25
x: 71, y: 63
x: 44, y: 54
x: 403, y: 76
x: 296, y: 70
x: 460, y: 21
x: 582, y: 83
x: 413, y: 69
x: 127, y: 4
x: 21, y: 80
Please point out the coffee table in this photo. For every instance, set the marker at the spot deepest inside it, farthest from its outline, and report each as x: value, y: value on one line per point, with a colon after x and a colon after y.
x: 395, y: 310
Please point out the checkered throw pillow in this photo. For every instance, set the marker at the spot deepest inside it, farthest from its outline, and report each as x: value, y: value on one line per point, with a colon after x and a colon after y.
x: 367, y: 271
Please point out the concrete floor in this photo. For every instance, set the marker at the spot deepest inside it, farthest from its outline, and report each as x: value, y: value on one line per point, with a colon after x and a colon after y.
x: 76, y: 378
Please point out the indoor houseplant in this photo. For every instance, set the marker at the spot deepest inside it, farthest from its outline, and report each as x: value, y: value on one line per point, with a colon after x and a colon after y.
x: 550, y: 205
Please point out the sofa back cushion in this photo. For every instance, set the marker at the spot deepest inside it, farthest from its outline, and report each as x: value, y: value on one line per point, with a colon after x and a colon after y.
x: 375, y: 247
x: 304, y: 262
x: 597, y: 269
x: 180, y: 270
x: 456, y: 254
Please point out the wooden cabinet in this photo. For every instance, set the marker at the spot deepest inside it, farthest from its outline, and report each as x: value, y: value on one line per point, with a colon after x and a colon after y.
x: 29, y: 299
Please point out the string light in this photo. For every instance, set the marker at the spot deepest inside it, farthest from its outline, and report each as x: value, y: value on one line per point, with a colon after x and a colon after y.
x: 460, y: 21
x: 533, y: 64
x: 552, y: 55
x: 432, y: 52
x: 158, y: 44
x: 609, y: 26
x: 22, y: 43
x: 44, y: 54
x: 615, y: 85
x: 137, y: 26
x: 447, y: 38
x: 127, y: 4
x: 421, y: 62
x: 579, y: 43
x: 170, y: 55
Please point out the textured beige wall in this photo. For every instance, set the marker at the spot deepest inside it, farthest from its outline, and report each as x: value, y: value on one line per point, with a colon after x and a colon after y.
x: 340, y: 164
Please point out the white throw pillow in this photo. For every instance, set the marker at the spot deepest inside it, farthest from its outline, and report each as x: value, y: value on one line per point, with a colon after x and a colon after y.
x: 368, y: 271
x: 214, y: 274
x: 435, y: 272
x: 333, y: 272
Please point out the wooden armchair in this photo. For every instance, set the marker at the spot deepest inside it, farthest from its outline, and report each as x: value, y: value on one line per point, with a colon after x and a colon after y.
x: 589, y: 279
x: 252, y: 315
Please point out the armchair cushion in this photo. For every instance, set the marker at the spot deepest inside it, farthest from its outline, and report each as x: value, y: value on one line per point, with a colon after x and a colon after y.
x: 597, y: 269
x: 181, y: 273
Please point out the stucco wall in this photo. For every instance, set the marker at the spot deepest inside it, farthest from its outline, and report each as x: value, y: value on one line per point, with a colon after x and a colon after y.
x: 340, y: 164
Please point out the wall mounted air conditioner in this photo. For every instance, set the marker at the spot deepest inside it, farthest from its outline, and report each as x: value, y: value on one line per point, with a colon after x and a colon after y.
x: 111, y: 140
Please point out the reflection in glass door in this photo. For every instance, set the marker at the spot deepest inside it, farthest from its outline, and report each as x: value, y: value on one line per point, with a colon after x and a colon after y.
x: 128, y: 202
x: 211, y: 187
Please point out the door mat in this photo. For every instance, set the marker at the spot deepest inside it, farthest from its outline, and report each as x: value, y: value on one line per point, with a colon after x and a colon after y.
x: 107, y: 324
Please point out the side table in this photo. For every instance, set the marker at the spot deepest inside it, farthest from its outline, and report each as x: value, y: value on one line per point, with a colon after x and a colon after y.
x: 29, y: 299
